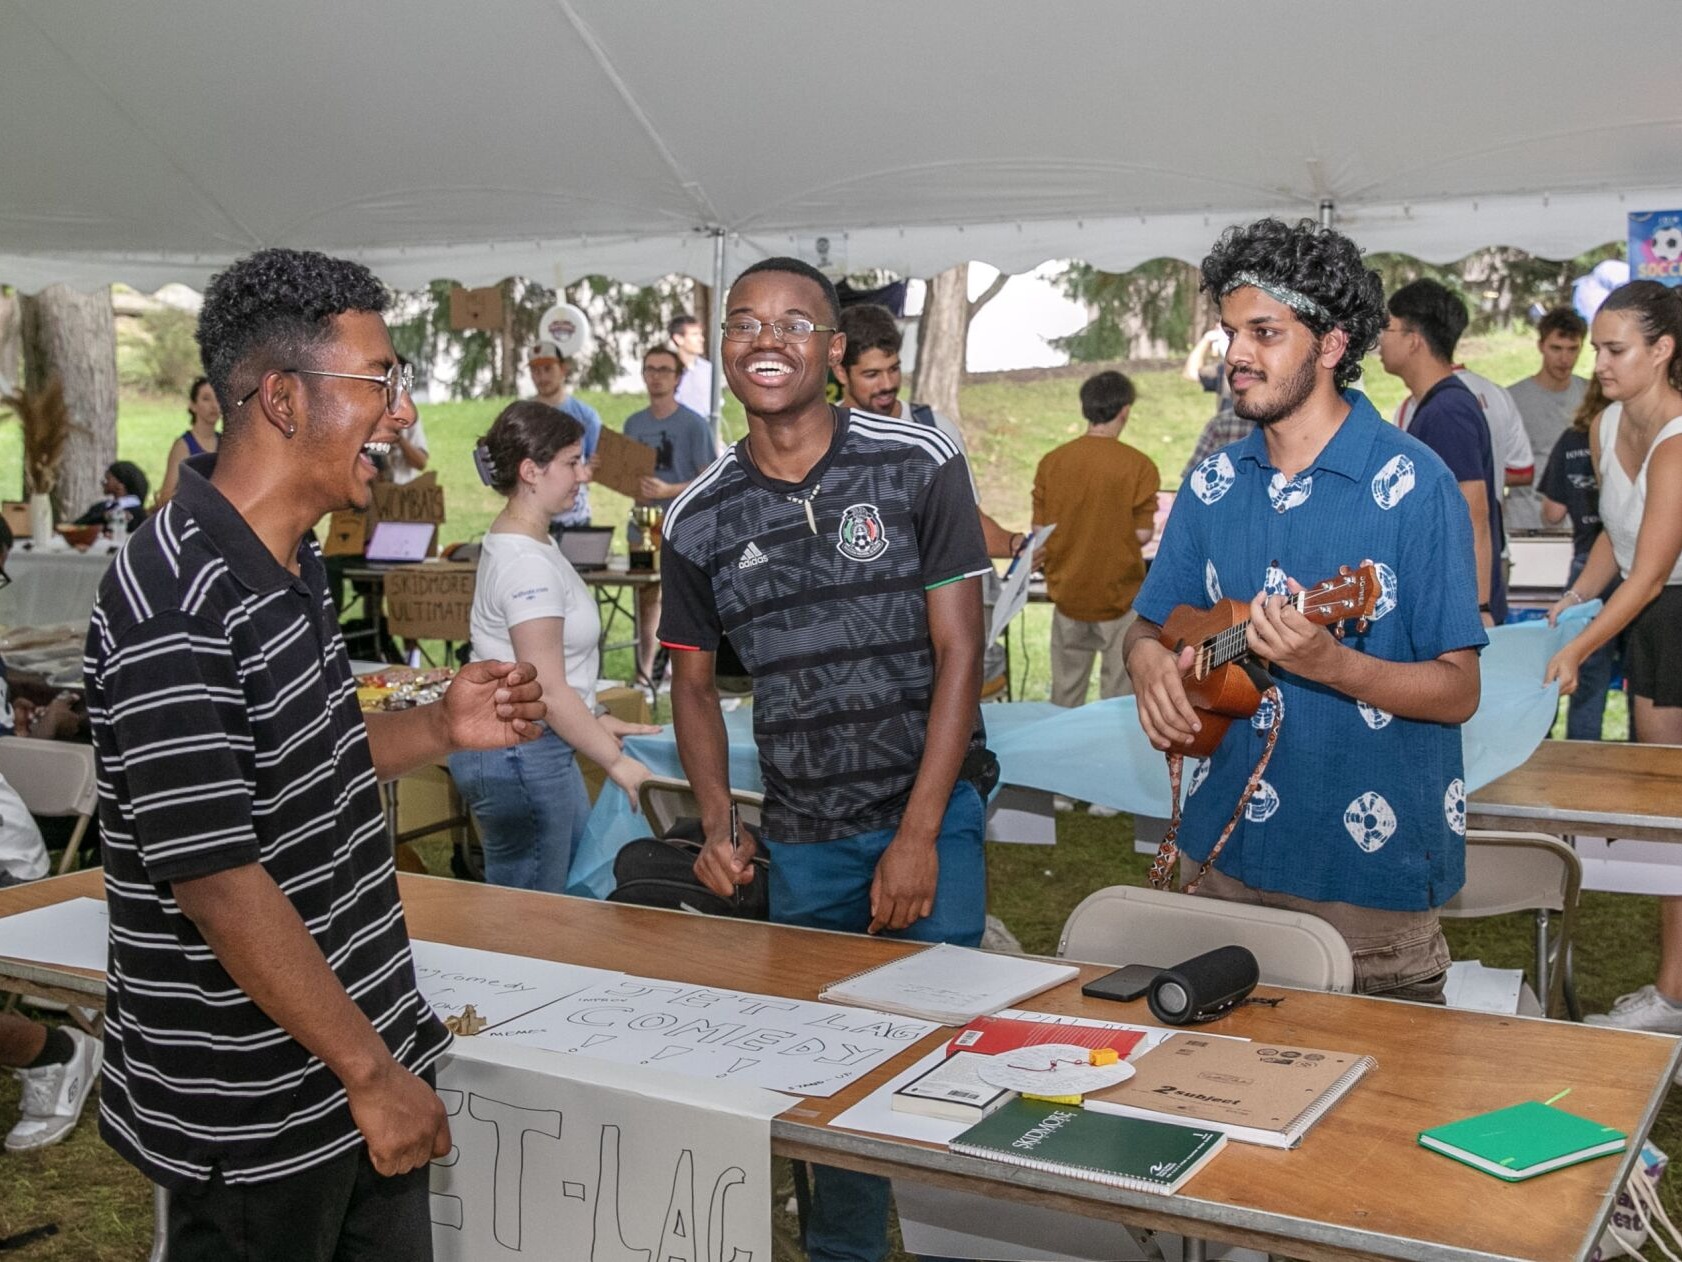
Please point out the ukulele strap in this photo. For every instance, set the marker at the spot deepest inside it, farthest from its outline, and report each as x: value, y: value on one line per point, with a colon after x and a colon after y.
x: 1167, y: 861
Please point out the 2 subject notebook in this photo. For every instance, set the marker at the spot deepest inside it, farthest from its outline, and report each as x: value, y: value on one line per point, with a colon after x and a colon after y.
x: 1258, y: 1093
x: 949, y: 984
x: 1125, y: 1152
x: 1523, y: 1141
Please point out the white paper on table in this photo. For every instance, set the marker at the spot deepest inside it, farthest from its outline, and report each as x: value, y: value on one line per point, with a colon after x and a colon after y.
x: 562, y: 1156
x: 72, y: 933
x: 1013, y: 590
x: 1471, y: 986
x: 877, y: 1115
x: 949, y: 983
x: 499, y: 986
x: 794, y: 1045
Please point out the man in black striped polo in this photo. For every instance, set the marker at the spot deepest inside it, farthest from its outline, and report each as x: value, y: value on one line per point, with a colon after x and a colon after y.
x: 266, y: 1048
x: 840, y: 552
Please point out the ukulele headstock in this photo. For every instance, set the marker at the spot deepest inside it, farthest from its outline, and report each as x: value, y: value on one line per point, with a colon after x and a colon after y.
x: 1353, y: 593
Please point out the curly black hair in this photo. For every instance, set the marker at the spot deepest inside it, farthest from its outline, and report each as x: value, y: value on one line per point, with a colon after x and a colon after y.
x: 1324, y: 265
x: 270, y: 308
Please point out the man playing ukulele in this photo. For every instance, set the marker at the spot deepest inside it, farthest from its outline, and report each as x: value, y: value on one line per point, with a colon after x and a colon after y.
x: 1360, y: 818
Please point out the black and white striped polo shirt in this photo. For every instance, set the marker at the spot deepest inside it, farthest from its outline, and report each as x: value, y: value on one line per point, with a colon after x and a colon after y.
x: 820, y: 587
x: 227, y: 732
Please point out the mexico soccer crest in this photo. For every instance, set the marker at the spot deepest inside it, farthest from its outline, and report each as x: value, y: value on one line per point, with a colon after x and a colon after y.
x: 861, y: 537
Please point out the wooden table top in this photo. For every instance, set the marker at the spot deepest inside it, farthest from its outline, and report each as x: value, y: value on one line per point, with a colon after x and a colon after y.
x: 1359, y: 1186
x: 1588, y: 788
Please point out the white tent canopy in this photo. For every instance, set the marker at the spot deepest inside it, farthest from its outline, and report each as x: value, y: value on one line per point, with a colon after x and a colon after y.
x: 150, y: 143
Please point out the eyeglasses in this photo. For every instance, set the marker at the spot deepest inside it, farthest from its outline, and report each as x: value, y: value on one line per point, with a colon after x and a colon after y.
x: 658, y: 370
x: 789, y: 332
x: 398, y: 380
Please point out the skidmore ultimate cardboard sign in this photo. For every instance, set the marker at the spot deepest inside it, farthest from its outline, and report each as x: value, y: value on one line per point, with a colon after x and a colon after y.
x: 433, y: 601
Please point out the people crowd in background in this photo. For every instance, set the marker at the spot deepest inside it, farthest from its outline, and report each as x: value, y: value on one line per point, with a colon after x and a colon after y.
x: 125, y: 488
x: 551, y: 374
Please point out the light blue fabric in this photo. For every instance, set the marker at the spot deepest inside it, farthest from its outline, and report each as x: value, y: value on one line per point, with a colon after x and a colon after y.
x: 1098, y: 753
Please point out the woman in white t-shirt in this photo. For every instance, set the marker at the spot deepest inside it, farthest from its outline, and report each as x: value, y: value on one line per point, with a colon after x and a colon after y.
x: 1638, y: 461
x: 529, y: 605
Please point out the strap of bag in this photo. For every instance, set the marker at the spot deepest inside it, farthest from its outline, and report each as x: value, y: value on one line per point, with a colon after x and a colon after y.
x: 1167, y: 862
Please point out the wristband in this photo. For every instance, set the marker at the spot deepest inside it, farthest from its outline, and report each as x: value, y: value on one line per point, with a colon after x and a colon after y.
x: 1574, y: 594
x: 1484, y: 608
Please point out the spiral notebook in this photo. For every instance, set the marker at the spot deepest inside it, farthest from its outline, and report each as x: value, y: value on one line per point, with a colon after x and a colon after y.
x: 952, y: 985
x: 1258, y: 1093
x: 1125, y: 1152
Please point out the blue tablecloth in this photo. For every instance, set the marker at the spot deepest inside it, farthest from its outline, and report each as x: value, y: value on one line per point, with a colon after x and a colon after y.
x: 1098, y: 752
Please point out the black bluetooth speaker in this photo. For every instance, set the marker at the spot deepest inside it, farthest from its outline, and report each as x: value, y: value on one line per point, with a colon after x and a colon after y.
x: 1204, y: 987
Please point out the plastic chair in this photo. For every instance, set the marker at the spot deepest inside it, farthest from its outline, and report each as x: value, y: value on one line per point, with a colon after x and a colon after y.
x: 1535, y: 872
x: 665, y: 800
x: 53, y: 778
x: 1132, y: 924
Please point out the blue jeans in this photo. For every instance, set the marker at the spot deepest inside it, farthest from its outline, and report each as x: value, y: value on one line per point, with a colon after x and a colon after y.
x: 1586, y: 715
x: 826, y: 885
x: 530, y: 804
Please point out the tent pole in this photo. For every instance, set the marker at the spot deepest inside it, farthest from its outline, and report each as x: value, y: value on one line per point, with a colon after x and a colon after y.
x: 715, y: 338
x: 1328, y: 212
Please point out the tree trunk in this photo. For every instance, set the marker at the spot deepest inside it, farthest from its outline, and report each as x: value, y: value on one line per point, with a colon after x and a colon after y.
x: 73, y: 336
x: 942, y: 336
x: 11, y: 369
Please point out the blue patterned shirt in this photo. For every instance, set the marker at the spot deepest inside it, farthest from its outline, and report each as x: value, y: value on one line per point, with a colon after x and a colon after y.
x: 1358, y: 805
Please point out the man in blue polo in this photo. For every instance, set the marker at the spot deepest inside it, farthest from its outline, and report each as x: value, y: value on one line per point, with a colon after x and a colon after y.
x: 1360, y: 817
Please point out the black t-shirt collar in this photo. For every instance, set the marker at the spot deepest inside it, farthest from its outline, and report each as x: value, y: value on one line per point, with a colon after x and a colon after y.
x: 745, y: 458
x: 248, y: 559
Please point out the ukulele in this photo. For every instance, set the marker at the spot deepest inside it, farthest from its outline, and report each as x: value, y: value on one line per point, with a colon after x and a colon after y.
x: 1226, y: 680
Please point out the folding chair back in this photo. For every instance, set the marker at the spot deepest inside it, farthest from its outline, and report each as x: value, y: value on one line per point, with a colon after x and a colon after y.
x: 53, y: 778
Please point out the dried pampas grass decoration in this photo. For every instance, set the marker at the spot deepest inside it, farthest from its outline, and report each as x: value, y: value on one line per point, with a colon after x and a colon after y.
x: 46, y: 428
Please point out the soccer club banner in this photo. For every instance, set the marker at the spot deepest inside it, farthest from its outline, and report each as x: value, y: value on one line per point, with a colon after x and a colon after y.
x: 561, y: 1158
x: 1655, y: 246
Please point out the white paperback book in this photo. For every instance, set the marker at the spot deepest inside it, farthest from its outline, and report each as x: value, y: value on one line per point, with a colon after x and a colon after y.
x: 949, y: 984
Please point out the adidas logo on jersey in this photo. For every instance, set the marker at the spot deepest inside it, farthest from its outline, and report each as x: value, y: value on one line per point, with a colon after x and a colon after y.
x: 751, y: 556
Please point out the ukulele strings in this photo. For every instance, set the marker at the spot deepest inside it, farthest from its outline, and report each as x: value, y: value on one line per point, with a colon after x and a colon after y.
x: 1230, y: 644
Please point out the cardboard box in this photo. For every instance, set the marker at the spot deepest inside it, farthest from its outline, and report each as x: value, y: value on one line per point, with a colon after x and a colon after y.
x: 430, y: 601
x: 347, y: 534
x: 622, y: 463
x: 16, y: 513
x: 475, y: 308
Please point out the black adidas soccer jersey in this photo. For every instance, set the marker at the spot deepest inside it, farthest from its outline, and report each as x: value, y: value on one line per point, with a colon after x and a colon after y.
x: 820, y: 586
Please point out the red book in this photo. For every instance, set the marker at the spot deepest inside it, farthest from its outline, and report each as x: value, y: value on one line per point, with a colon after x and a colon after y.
x: 988, y: 1036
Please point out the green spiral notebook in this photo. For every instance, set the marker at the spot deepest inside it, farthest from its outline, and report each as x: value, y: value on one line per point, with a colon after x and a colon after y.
x: 1523, y: 1141
x: 1129, y: 1152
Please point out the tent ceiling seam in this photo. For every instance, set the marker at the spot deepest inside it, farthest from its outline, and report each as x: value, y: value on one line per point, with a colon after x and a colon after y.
x: 690, y: 186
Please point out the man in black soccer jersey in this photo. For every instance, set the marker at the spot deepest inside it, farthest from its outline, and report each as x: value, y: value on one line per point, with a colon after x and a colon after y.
x: 839, y: 552
x: 266, y: 1047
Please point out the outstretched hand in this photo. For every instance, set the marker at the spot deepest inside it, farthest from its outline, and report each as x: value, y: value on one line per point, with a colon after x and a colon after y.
x: 489, y: 705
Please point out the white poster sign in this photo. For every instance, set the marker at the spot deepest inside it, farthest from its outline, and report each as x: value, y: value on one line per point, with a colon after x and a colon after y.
x: 1013, y: 591
x: 500, y: 987
x: 795, y: 1045
x: 557, y: 1157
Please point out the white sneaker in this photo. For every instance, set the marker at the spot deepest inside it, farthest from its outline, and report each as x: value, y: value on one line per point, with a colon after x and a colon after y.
x: 1060, y: 804
x: 1645, y: 1009
x: 1102, y: 812
x: 53, y: 1095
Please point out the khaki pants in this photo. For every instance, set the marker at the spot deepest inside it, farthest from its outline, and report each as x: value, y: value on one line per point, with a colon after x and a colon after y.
x: 1073, y: 646
x: 1398, y: 954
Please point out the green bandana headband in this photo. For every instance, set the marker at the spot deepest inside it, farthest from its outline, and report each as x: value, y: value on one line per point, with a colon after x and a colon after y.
x: 1297, y: 301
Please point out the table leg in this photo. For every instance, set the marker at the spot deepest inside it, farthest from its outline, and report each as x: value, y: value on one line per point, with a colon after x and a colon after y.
x: 160, y: 1224
x: 1196, y: 1250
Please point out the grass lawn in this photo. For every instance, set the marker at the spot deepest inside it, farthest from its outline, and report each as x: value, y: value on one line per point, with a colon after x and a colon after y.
x: 103, y: 1208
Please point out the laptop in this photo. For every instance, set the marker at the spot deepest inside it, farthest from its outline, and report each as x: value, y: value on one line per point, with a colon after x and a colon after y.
x: 400, y: 542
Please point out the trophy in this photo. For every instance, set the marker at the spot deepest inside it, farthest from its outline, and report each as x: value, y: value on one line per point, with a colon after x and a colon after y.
x: 645, y: 520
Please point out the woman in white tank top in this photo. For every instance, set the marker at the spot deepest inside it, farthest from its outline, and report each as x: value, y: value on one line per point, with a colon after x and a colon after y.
x: 1638, y: 363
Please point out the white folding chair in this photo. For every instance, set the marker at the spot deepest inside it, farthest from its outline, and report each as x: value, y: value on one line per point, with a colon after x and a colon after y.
x: 1534, y: 872
x: 666, y: 800
x: 1131, y: 924
x: 53, y: 778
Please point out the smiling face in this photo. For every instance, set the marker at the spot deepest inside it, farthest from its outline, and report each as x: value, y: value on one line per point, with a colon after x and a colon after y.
x: 1273, y: 360
x: 204, y: 407
x: 1625, y: 363
x: 772, y: 378
x: 873, y: 382
x: 341, y: 423
x: 554, y: 486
